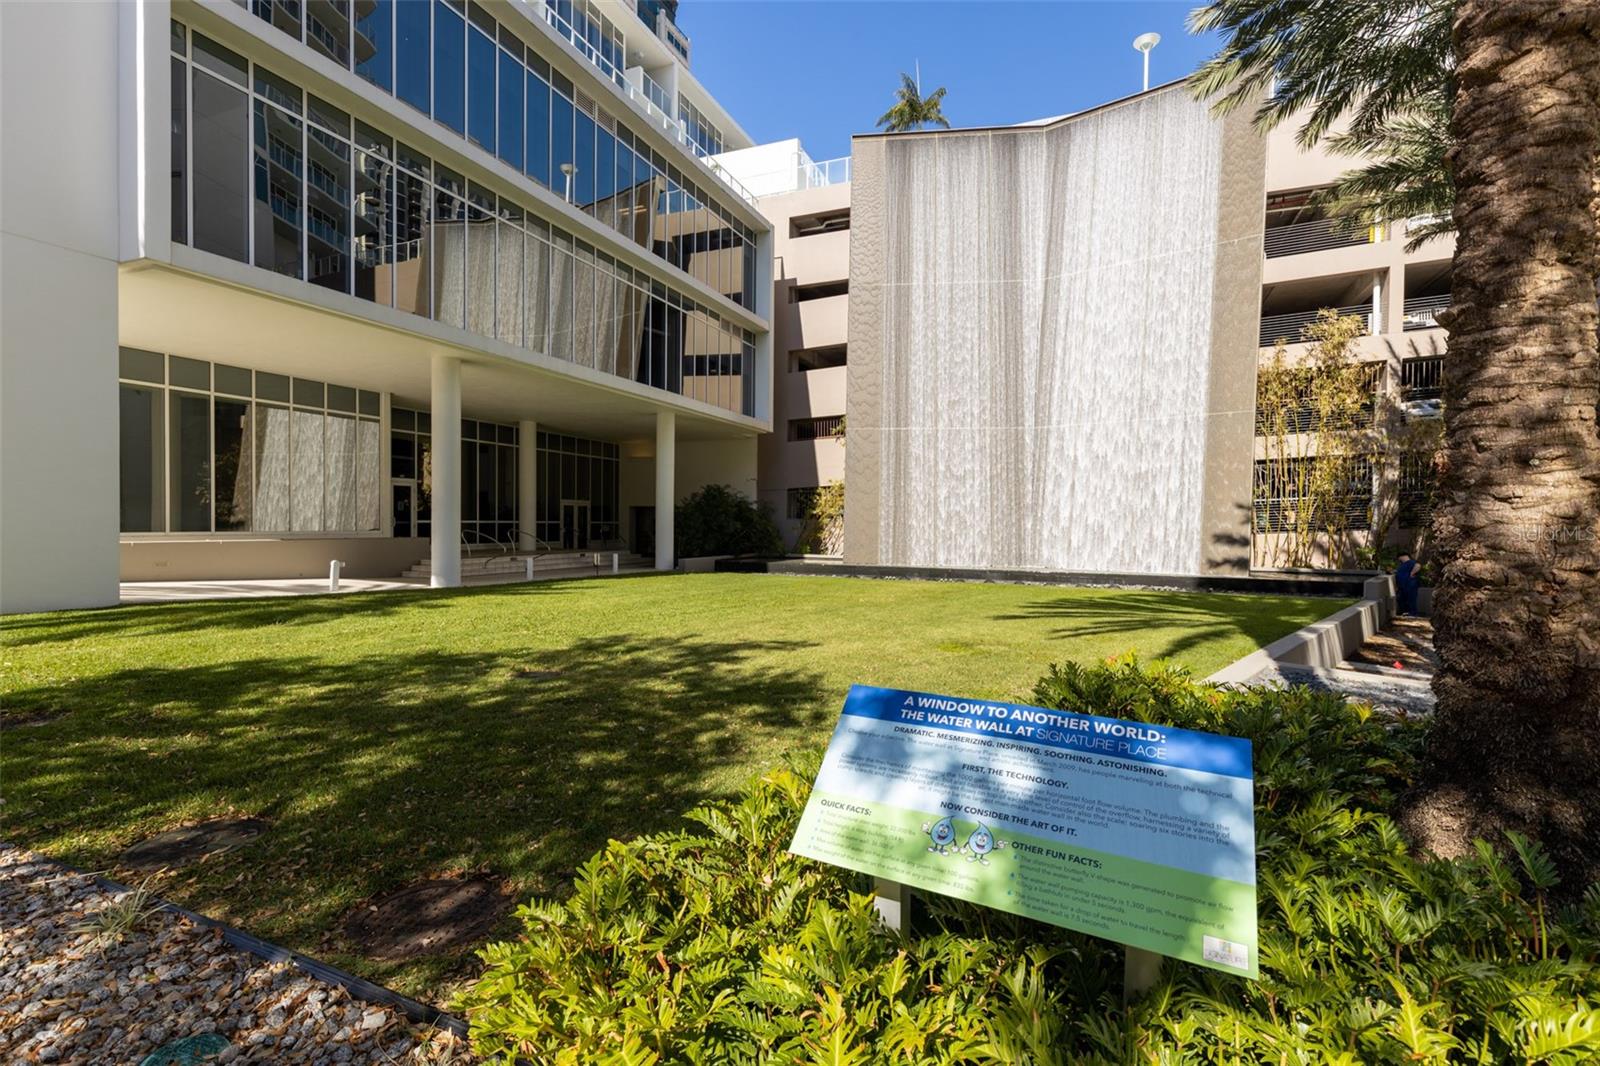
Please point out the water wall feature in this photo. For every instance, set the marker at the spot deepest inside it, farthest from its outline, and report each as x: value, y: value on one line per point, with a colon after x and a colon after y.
x: 1042, y: 307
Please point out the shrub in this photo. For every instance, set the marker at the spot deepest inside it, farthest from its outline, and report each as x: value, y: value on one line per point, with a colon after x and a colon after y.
x: 715, y: 945
x: 718, y: 521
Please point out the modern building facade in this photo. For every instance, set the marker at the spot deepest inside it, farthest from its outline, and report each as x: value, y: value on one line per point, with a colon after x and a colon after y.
x: 376, y: 282
x: 396, y: 280
x: 807, y: 204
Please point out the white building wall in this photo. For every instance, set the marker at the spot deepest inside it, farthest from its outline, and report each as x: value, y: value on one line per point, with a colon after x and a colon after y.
x: 59, y: 233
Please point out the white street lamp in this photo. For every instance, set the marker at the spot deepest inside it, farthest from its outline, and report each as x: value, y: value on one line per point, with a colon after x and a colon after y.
x: 1144, y: 43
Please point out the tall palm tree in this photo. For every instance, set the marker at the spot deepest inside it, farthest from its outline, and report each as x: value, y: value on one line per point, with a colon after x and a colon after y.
x: 912, y: 110
x: 1517, y: 518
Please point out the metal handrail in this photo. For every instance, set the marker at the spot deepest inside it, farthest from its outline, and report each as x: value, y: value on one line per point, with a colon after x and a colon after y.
x: 1422, y: 312
x: 663, y: 118
x: 1290, y: 327
x: 1317, y: 235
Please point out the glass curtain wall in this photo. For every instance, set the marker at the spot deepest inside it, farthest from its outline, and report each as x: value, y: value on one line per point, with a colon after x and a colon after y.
x: 571, y: 471
x: 212, y: 448
x: 345, y: 206
x: 456, y: 63
x: 315, y: 195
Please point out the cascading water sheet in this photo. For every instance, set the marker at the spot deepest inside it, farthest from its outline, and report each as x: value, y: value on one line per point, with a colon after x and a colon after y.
x: 1046, y: 342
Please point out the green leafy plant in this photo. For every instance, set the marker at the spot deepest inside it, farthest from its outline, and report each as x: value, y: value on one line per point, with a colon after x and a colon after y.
x: 716, y: 520
x: 823, y: 529
x: 126, y: 914
x: 715, y: 945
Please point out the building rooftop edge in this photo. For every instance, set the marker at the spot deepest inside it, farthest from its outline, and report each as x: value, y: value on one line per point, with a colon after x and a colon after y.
x: 1034, y: 124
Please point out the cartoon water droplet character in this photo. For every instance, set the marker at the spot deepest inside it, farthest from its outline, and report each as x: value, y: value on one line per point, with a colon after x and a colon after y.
x: 981, y: 843
x: 942, y: 833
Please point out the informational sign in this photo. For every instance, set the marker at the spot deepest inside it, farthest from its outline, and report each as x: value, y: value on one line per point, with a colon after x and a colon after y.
x: 1137, y: 833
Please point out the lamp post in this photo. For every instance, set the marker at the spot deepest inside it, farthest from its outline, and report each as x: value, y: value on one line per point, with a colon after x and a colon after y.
x: 1144, y: 43
x: 569, y: 169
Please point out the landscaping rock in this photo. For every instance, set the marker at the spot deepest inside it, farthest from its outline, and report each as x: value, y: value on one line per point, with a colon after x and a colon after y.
x: 68, y: 997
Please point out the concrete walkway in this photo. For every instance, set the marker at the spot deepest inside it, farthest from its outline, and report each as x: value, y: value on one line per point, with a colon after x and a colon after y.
x: 135, y: 592
x: 176, y: 591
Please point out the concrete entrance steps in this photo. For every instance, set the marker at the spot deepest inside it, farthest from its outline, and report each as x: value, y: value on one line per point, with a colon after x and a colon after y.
x: 510, y: 566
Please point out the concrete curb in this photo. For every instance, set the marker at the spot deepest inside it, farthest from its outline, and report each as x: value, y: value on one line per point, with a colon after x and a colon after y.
x: 1323, y: 644
x: 1290, y: 585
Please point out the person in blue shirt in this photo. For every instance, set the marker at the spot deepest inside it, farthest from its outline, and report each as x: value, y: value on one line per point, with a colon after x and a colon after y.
x: 1407, y: 579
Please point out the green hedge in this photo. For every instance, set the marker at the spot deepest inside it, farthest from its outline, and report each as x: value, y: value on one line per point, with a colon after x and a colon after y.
x: 717, y: 946
x: 716, y: 520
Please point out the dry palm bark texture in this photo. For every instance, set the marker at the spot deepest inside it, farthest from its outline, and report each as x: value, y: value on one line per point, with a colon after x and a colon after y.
x: 1517, y: 611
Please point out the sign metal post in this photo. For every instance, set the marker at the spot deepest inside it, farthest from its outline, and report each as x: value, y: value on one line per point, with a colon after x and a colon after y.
x: 1140, y: 970
x: 893, y: 901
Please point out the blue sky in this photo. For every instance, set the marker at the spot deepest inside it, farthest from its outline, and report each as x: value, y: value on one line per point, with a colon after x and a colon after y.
x: 824, y: 69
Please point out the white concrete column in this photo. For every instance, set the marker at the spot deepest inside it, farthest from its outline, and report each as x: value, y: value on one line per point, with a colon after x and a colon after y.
x: 445, y: 548
x: 666, y: 493
x: 528, y: 484
x: 386, y: 460
x: 1377, y: 304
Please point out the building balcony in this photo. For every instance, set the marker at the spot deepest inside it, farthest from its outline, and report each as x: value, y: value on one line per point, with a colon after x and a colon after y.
x: 1421, y: 312
x: 1290, y: 327
x: 1315, y: 236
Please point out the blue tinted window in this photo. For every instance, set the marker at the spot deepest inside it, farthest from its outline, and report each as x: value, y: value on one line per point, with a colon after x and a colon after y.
x: 375, y: 43
x: 413, y: 52
x: 480, y: 88
x: 510, y: 110
x: 560, y: 139
x: 605, y: 178
x: 449, y: 67
x: 538, y: 146
x: 583, y: 184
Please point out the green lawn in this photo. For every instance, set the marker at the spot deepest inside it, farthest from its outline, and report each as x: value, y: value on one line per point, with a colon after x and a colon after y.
x: 389, y: 736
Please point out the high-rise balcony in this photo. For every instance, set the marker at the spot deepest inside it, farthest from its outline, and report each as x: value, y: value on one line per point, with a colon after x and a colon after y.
x: 1421, y: 312
x: 1290, y: 327
x: 1317, y: 235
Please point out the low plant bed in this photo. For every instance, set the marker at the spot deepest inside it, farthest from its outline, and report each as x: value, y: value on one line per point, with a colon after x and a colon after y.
x: 716, y: 945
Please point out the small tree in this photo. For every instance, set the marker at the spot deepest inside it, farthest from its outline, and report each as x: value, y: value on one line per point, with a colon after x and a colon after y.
x: 1316, y: 418
x: 822, y: 531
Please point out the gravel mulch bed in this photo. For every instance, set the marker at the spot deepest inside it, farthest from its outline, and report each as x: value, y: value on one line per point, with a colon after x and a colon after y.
x: 1402, y: 696
x: 70, y: 996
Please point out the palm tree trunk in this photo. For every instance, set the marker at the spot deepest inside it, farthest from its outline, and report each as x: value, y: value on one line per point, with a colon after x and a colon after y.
x: 1516, y: 739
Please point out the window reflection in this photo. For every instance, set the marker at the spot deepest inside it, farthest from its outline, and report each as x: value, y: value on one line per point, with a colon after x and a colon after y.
x: 328, y: 189
x: 374, y: 212
x: 413, y: 32
x: 349, y: 208
x: 449, y: 66
x: 374, y: 42
x: 279, y: 168
x: 480, y: 87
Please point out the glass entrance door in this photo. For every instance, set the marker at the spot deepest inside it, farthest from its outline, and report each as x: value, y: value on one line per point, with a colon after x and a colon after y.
x: 404, y: 494
x: 575, y: 524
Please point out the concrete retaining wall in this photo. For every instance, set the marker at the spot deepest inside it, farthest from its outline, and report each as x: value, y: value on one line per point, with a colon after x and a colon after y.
x: 1323, y: 644
x: 249, y: 558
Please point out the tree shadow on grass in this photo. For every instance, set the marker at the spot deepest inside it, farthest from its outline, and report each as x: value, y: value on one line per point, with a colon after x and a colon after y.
x: 170, y: 619
x: 376, y: 770
x: 1194, y: 618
